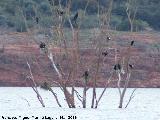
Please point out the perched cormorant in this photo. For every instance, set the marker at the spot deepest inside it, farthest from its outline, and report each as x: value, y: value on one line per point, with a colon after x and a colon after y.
x: 105, y: 53
x: 45, y: 86
x: 108, y: 38
x: 42, y: 45
x: 37, y: 20
x: 75, y: 17
x: 50, y: 2
x: 60, y: 12
x: 117, y: 67
x: 86, y: 76
x: 74, y: 20
x: 132, y: 42
x: 131, y: 66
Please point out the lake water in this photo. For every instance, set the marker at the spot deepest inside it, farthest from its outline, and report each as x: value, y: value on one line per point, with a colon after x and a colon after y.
x: 22, y: 102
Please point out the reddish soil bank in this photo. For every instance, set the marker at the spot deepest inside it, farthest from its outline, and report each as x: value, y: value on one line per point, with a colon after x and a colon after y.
x: 20, y: 48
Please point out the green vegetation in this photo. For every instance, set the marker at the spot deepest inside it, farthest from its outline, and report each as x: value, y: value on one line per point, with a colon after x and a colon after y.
x: 19, y: 13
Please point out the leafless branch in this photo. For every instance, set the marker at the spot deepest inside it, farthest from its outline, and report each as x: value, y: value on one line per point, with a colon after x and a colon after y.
x: 50, y: 56
x: 26, y: 100
x: 101, y: 95
x: 78, y: 95
x: 34, y: 86
x: 131, y: 97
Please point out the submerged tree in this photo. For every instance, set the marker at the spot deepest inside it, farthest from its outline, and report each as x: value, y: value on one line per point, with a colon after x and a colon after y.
x: 123, y: 66
x: 73, y: 57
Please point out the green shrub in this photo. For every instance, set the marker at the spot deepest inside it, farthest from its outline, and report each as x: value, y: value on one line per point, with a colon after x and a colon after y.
x: 29, y: 9
x: 10, y: 21
x: 30, y: 23
x: 45, y: 8
x: 90, y: 21
x: 140, y: 25
x: 2, y: 20
x: 20, y: 26
x: 122, y: 24
x: 46, y: 21
x: 10, y: 8
x: 115, y: 21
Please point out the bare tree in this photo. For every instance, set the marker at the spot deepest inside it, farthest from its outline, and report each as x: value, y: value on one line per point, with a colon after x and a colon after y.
x: 123, y: 66
x: 100, y: 47
x: 131, y: 10
x: 74, y: 58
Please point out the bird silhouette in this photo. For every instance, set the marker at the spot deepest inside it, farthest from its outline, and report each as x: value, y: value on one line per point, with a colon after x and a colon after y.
x: 117, y: 67
x: 75, y: 17
x: 74, y: 20
x: 131, y: 66
x: 42, y: 45
x: 60, y: 12
x: 105, y: 53
x: 45, y: 86
x: 108, y: 38
x: 132, y: 42
x: 86, y: 76
x: 50, y: 2
x: 37, y: 20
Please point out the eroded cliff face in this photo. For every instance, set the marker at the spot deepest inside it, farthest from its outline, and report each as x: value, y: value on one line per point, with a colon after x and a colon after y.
x: 20, y: 48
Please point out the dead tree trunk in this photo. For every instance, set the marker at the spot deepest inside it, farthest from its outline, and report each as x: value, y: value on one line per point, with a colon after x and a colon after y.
x: 86, y: 75
x: 84, y: 96
x: 128, y: 69
x: 124, y: 91
x: 69, y: 98
x: 95, y: 81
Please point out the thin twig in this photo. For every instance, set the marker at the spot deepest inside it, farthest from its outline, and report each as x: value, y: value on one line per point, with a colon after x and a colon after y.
x: 109, y: 80
x: 78, y: 96
x: 25, y: 100
x: 131, y: 97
